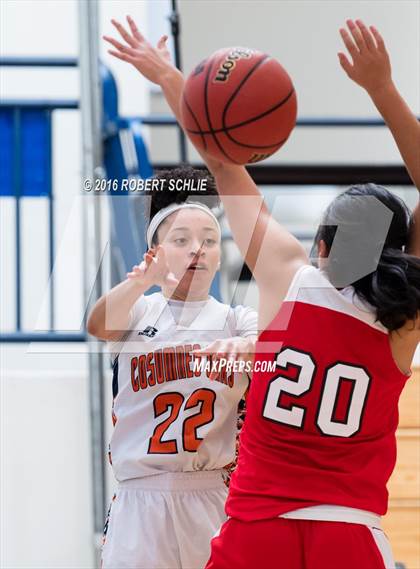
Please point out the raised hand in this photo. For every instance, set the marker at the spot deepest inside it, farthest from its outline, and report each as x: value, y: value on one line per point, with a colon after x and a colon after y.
x: 370, y: 67
x: 154, y: 269
x: 236, y: 349
x: 152, y: 62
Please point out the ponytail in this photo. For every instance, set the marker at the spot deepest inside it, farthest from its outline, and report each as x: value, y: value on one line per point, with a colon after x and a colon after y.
x: 393, y: 289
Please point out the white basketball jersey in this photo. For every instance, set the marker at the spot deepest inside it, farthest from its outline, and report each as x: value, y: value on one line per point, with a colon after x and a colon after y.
x: 168, y: 416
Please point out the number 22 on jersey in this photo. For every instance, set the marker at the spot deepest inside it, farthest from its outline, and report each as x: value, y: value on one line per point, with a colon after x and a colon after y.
x: 203, y: 399
x: 334, y: 377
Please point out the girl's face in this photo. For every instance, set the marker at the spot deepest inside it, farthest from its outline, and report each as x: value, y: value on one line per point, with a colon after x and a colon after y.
x: 191, y: 241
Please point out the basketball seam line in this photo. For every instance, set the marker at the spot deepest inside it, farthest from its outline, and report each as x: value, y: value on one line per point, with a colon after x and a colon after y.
x: 275, y: 145
x: 206, y: 106
x: 248, y: 121
x: 195, y: 120
x: 232, y: 97
x: 260, y: 146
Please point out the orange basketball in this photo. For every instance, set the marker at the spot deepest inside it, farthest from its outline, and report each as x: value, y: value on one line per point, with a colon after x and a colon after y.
x: 239, y: 105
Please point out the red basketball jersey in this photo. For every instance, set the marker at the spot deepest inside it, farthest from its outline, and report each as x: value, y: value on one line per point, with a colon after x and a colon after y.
x: 320, y: 429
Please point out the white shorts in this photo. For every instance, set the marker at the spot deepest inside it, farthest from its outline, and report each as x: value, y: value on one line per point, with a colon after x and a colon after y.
x: 165, y: 521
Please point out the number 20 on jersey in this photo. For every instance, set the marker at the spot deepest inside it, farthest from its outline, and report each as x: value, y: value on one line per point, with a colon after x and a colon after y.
x: 334, y: 376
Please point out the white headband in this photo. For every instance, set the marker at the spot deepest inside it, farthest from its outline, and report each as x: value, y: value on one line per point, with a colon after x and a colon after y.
x: 166, y: 211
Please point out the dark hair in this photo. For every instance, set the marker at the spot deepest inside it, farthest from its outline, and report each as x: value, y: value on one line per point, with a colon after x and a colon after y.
x: 389, y: 278
x: 166, y: 195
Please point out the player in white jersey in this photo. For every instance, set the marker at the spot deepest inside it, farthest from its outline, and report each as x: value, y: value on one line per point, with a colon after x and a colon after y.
x: 174, y: 422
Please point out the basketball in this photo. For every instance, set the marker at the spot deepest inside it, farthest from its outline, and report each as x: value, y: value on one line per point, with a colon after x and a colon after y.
x: 239, y: 105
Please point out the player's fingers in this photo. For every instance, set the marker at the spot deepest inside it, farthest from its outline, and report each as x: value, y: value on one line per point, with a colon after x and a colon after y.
x: 211, y: 349
x: 160, y: 253
x: 120, y: 55
x: 218, y: 346
x: 345, y: 63
x: 232, y: 357
x: 367, y: 36
x: 134, y: 30
x: 135, y: 52
x: 216, y: 368
x: 149, y: 260
x: 133, y: 274
x: 243, y: 357
x: 199, y: 353
x: 215, y: 351
x: 378, y: 38
x: 162, y: 42
x: 124, y: 34
x: 172, y: 280
x: 229, y: 348
x: 137, y: 271
x: 151, y: 251
x: 115, y: 43
x: 348, y: 42
x: 209, y: 352
x: 203, y: 351
x: 357, y: 36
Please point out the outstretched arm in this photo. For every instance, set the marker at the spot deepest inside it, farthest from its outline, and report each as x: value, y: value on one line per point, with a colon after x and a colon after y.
x: 271, y: 252
x: 371, y: 69
x: 111, y: 316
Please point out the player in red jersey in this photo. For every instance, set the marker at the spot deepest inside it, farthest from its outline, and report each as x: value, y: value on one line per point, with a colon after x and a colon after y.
x: 318, y: 445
